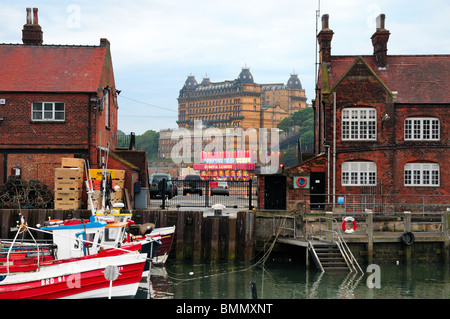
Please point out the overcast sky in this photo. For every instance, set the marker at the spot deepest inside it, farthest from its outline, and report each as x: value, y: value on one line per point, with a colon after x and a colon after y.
x: 155, y: 44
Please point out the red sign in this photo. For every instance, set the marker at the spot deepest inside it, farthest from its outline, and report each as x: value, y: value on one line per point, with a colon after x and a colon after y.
x: 224, y: 166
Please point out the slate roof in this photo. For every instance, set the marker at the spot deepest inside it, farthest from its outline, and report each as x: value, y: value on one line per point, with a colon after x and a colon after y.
x: 50, y: 68
x: 417, y: 78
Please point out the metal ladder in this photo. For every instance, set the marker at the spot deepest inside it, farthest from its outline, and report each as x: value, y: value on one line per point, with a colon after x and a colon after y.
x: 333, y: 254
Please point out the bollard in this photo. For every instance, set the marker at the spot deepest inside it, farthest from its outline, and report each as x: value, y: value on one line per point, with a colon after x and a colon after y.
x: 253, y: 289
x: 369, y: 221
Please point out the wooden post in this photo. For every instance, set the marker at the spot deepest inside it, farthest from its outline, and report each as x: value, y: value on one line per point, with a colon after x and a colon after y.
x: 179, y: 253
x: 329, y: 223
x: 446, y: 225
x: 249, y: 237
x: 197, y: 240
x: 231, y: 239
x: 408, y: 229
x: 214, y: 251
x: 369, y: 222
x: 6, y: 219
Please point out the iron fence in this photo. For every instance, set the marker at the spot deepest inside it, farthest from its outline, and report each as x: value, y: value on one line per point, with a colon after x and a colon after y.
x: 377, y: 203
x: 204, y: 193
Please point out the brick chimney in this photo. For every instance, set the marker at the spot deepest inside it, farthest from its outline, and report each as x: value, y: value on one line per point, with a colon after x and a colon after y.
x: 324, y: 38
x: 32, y: 32
x: 379, y: 41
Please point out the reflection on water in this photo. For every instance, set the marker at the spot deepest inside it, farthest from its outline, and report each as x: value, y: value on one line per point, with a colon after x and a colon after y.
x: 294, y: 281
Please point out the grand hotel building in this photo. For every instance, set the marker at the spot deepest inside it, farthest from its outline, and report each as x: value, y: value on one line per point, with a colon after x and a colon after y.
x: 239, y: 103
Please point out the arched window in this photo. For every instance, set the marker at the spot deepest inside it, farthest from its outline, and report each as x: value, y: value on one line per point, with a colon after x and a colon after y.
x: 422, y: 174
x: 359, y: 173
x: 359, y: 124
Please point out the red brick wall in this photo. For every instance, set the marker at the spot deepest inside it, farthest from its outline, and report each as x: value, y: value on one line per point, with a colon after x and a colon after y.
x: 390, y: 152
x: 37, y: 166
x: 17, y: 130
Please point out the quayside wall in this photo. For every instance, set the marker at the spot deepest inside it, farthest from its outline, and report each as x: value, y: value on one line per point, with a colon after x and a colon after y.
x: 198, y: 237
x: 238, y: 237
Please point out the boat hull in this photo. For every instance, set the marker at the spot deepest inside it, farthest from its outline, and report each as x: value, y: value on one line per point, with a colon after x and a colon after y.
x: 76, y: 278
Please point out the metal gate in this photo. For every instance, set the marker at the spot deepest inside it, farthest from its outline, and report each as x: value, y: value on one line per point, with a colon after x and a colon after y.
x: 205, y: 193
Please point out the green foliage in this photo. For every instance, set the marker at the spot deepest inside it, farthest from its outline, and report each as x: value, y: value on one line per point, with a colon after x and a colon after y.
x: 147, y: 142
x: 303, y: 122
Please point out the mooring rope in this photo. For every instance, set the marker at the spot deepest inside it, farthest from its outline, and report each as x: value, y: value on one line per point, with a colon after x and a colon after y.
x: 260, y: 262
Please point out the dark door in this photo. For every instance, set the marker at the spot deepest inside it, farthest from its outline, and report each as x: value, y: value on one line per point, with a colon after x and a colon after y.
x: 317, y: 198
x: 275, y: 192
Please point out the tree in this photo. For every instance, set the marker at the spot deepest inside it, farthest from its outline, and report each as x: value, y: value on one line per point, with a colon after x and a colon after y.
x: 302, y: 122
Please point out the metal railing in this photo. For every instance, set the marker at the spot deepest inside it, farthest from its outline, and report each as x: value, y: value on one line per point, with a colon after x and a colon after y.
x: 377, y: 203
x: 332, y: 233
x: 204, y: 193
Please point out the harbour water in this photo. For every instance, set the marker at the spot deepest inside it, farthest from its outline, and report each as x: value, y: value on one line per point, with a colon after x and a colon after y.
x: 296, y: 281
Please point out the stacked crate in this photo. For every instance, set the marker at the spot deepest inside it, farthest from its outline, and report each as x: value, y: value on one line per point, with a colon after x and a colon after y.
x: 117, y: 177
x: 69, y: 184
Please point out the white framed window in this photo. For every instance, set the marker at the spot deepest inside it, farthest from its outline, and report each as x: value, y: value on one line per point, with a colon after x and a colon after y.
x: 48, y: 111
x: 422, y: 129
x: 359, y: 173
x: 106, y: 107
x: 422, y: 174
x: 359, y: 124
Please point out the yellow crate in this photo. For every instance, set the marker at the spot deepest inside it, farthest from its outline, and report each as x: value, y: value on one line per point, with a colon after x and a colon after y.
x: 72, y: 162
x: 68, y: 173
x: 68, y: 193
x: 68, y: 184
x: 115, y: 174
x: 67, y: 204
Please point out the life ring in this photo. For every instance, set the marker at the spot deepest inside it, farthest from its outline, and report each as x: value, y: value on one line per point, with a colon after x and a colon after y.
x: 408, y: 238
x: 301, y: 181
x: 349, y: 219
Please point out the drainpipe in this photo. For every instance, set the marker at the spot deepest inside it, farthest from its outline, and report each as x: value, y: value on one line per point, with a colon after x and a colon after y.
x: 334, y: 149
x: 328, y: 171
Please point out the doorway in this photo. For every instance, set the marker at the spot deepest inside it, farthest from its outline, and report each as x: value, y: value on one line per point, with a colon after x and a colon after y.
x: 317, y: 190
x: 275, y: 192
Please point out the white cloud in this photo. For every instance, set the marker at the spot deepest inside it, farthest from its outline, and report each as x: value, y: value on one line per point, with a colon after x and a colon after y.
x: 156, y: 43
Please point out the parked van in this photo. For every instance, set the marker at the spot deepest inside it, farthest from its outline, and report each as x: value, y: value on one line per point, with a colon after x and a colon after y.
x: 193, y: 184
x: 155, y: 186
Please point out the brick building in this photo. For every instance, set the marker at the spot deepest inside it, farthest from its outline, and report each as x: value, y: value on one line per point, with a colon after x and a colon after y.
x: 58, y: 101
x: 381, y: 129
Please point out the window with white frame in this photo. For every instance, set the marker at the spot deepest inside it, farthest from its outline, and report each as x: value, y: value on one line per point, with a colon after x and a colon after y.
x: 422, y: 174
x: 359, y: 173
x: 359, y: 124
x: 48, y: 111
x: 106, y: 107
x: 422, y: 129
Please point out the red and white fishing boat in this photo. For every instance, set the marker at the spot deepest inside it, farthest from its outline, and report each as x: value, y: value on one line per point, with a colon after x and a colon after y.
x: 75, y: 270
x: 155, y: 242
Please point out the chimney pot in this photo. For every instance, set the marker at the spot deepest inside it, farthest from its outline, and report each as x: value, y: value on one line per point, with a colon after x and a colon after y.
x: 324, y: 38
x: 32, y: 31
x: 379, y: 41
x: 325, y: 22
x: 29, y: 17
x: 35, y: 16
x: 381, y: 21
